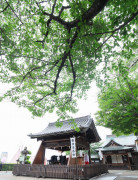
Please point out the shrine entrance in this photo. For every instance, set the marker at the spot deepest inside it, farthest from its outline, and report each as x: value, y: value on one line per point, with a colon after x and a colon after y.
x: 66, y: 139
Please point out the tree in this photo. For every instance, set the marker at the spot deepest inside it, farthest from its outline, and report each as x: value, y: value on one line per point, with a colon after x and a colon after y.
x: 95, y: 146
x: 118, y: 101
x: 50, y: 50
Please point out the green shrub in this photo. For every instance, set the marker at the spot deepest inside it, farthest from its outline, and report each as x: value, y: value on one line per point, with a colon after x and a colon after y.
x: 7, y: 167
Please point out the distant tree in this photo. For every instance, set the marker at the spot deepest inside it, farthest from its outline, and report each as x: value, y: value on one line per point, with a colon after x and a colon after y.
x: 50, y: 50
x: 95, y: 146
x: 118, y: 100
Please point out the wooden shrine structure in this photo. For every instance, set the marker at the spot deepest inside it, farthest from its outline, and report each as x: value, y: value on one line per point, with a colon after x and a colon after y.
x: 58, y: 138
x: 120, y: 152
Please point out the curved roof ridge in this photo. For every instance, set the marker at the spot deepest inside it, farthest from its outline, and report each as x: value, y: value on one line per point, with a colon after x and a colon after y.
x: 64, y: 122
x: 122, y: 140
x: 115, y: 148
x: 112, y: 139
x: 84, y: 123
x: 71, y: 119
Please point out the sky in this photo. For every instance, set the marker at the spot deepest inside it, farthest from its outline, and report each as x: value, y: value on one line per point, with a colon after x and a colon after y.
x: 16, y: 123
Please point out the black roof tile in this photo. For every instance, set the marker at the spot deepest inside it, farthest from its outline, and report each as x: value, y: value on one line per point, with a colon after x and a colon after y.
x: 83, y: 123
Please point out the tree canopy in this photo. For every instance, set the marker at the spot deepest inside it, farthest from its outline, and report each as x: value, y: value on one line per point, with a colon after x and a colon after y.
x: 118, y: 108
x: 118, y: 100
x: 50, y: 50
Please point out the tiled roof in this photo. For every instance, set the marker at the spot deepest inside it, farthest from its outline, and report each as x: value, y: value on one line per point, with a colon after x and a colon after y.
x: 115, y: 148
x: 122, y: 140
x: 82, y: 122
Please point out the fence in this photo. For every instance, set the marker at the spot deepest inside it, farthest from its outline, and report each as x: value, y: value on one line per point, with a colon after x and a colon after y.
x: 60, y: 171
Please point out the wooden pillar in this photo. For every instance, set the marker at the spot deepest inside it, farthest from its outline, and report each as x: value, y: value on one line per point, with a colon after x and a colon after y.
x: 89, y: 153
x: 43, y: 154
x: 40, y: 156
x: 128, y: 162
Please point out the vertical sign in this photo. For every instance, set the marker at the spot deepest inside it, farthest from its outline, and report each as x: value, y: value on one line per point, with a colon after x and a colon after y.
x: 73, y: 147
x: 100, y: 154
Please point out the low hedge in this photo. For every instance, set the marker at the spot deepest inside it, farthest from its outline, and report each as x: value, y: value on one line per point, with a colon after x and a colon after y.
x: 6, y: 167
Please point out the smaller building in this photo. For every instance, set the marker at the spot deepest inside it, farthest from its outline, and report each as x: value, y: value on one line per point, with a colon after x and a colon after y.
x: 120, y: 152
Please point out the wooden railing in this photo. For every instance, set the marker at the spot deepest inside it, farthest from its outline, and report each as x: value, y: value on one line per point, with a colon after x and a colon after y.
x: 60, y: 171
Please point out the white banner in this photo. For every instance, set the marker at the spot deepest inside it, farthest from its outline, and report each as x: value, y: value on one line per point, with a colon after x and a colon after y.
x: 100, y: 154
x: 129, y: 154
x: 73, y: 147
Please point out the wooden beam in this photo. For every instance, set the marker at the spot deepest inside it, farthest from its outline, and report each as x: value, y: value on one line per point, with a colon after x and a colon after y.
x: 56, y: 140
x: 56, y: 144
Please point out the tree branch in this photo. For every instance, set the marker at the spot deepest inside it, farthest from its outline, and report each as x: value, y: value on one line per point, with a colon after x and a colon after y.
x: 4, y: 8
x: 115, y: 30
x: 74, y: 74
x: 29, y: 72
x: 59, y: 69
x: 66, y: 54
x: 14, y: 12
x: 96, y: 7
x: 133, y: 64
x: 52, y: 67
x: 48, y: 22
x: 62, y: 9
x: 43, y: 98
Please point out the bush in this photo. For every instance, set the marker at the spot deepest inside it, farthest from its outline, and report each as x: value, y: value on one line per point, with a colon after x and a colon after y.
x: 7, y: 167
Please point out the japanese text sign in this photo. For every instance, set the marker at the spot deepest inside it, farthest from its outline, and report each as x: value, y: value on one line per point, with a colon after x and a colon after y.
x: 73, y: 147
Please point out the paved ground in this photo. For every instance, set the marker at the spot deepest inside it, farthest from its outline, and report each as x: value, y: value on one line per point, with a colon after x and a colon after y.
x: 112, y: 175
x: 118, y: 175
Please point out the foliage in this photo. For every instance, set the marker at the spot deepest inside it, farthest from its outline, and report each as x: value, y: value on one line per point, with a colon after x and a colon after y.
x: 67, y: 153
x: 50, y: 50
x: 7, y: 167
x: 95, y: 146
x: 118, y: 101
x: 27, y: 160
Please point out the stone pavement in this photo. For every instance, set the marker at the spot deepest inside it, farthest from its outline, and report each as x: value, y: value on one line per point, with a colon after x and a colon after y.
x: 9, y: 176
x: 118, y: 175
x: 112, y: 175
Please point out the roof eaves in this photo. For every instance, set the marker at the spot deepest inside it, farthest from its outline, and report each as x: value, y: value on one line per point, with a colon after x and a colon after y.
x: 110, y: 142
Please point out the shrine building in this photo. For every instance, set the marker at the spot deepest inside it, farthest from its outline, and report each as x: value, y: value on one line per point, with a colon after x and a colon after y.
x: 120, y: 152
x: 65, y: 138
x: 58, y: 138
